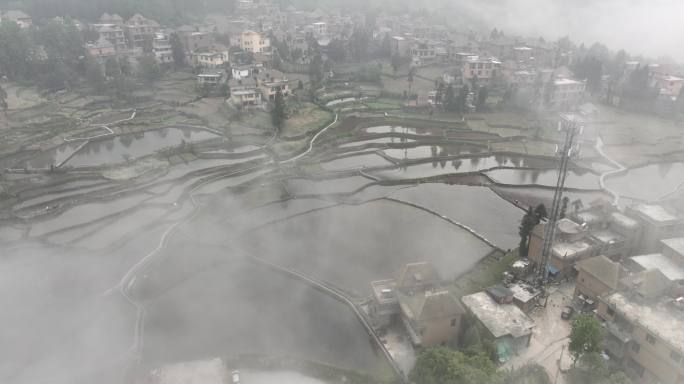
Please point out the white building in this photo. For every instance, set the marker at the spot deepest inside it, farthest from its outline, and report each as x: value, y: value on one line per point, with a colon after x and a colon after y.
x: 251, y: 41
x: 320, y: 29
x: 22, y: 19
x: 161, y: 47
x: 567, y: 93
x: 481, y: 68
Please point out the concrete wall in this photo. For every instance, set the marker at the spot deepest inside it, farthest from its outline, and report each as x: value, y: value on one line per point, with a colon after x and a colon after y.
x: 656, y: 359
x: 440, y: 331
x: 589, y: 286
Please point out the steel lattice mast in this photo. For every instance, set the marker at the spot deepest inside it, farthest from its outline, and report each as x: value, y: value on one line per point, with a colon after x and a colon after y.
x: 571, y: 127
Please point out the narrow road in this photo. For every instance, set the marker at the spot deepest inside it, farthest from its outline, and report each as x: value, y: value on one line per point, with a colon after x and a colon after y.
x: 602, y: 178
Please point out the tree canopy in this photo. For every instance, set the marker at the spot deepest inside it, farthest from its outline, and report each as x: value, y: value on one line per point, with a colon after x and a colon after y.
x: 443, y: 365
x: 585, y: 336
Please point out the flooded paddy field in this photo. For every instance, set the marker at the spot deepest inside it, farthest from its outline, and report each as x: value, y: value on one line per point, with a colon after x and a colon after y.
x: 576, y: 179
x: 369, y: 160
x: 405, y: 130
x: 648, y: 183
x: 350, y: 246
x: 245, y: 309
x: 381, y: 140
x: 130, y: 146
x: 443, y: 166
x: 477, y: 207
x: 161, y: 258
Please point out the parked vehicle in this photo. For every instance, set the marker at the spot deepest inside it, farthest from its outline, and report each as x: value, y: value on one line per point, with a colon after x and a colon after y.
x: 567, y: 312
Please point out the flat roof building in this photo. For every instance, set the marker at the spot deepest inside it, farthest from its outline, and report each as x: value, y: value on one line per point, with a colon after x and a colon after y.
x: 508, y: 324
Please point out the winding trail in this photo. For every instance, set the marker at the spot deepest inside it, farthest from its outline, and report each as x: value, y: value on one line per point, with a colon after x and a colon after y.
x: 620, y: 169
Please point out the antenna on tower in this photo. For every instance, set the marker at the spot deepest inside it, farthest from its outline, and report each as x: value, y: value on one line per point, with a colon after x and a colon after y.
x: 572, y: 127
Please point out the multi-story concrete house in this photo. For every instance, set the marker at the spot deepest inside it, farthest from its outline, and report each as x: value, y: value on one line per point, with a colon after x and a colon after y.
x: 161, y: 47
x: 251, y: 41
x: 507, y: 324
x: 194, y: 40
x: 115, y: 19
x: 101, y: 50
x: 19, y: 17
x: 657, y: 222
x: 615, y: 234
x: 480, y: 69
x: 114, y: 34
x: 670, y: 260
x: 140, y: 31
x: 571, y: 244
x: 430, y: 315
x: 400, y: 46
x: 596, y: 275
x: 644, y: 328
x: 565, y: 95
x: 273, y: 82
x: 215, y: 57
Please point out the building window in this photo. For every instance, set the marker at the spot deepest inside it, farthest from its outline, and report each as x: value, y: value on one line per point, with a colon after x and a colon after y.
x: 651, y: 340
x: 636, y: 347
x: 453, y: 322
x: 675, y: 356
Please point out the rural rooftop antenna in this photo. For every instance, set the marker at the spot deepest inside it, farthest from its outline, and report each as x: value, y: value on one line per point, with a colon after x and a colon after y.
x: 572, y: 127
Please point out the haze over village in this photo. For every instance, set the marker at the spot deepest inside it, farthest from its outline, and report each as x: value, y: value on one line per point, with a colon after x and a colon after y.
x: 328, y: 192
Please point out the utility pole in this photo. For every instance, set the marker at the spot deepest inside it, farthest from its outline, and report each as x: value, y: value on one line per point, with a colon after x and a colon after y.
x: 572, y: 127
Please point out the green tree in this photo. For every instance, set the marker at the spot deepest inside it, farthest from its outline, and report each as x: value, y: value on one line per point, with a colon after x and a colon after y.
x: 177, y: 50
x: 462, y: 100
x: 94, y: 75
x: 481, y: 104
x: 224, y: 90
x: 316, y: 71
x: 527, y: 224
x: 396, y: 63
x: 278, y: 114
x: 585, y: 336
x: 593, y: 369
x: 337, y: 50
x: 3, y: 100
x: 358, y: 43
x: 411, y: 74
x: 564, y: 207
x: 15, y: 51
x: 450, y: 99
x: 149, y: 69
x: 443, y: 365
x: 540, y: 212
x: 112, y: 68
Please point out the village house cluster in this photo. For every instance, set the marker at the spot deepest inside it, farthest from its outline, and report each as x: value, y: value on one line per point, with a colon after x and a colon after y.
x: 627, y: 267
x: 531, y: 73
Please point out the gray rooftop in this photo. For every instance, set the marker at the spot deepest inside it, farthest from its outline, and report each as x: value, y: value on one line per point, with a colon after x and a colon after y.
x: 430, y: 305
x: 523, y: 292
x: 675, y: 244
x: 500, y: 319
x: 654, y: 212
x: 659, y: 261
x: 659, y: 317
x: 602, y: 268
x: 606, y: 236
x: 623, y: 220
x: 568, y: 226
x: 570, y: 250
